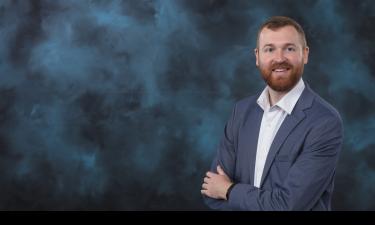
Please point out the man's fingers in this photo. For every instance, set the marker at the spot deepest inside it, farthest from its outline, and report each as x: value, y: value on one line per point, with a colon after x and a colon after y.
x: 204, y: 186
x: 206, y: 193
x: 205, y: 180
x: 209, y: 174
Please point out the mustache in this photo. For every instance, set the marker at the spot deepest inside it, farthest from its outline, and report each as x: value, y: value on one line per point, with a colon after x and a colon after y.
x: 282, y: 65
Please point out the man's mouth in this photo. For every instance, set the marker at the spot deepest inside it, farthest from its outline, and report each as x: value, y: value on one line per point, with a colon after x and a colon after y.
x: 280, y: 70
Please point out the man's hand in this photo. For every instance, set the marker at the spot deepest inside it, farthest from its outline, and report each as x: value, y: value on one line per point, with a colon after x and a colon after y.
x: 215, y: 185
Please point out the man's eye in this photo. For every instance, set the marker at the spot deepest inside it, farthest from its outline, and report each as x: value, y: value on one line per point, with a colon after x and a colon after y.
x: 290, y: 49
x: 268, y: 50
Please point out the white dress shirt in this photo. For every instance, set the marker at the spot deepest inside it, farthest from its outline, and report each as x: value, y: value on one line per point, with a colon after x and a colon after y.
x: 272, y: 119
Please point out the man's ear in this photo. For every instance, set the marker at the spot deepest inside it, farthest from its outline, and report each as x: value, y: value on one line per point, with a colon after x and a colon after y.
x: 256, y: 52
x: 306, y: 55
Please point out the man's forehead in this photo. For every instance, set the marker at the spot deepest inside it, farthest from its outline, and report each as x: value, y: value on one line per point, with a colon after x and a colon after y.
x: 282, y: 35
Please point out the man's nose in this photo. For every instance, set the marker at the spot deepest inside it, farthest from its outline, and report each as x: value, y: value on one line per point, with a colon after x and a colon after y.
x: 279, y: 56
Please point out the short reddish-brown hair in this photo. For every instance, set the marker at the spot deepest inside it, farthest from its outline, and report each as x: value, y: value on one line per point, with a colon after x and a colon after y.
x: 277, y: 22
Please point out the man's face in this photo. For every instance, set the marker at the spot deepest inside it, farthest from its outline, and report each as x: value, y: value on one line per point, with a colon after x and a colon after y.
x: 280, y: 57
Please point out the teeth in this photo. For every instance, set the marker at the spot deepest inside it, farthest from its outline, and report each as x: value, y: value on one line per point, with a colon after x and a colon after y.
x: 280, y: 70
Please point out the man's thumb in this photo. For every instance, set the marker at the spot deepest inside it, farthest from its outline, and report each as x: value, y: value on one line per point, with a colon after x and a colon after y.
x: 220, y: 171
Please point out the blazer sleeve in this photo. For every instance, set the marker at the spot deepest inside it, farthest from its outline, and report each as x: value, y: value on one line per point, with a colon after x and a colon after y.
x: 308, y: 177
x: 225, y: 157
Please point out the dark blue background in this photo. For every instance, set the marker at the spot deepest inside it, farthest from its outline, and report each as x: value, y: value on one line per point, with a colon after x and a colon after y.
x: 119, y: 105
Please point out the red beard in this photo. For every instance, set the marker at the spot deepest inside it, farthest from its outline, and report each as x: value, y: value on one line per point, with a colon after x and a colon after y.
x: 281, y: 83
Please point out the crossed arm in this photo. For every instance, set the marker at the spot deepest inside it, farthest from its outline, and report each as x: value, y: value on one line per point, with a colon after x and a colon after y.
x: 304, y: 185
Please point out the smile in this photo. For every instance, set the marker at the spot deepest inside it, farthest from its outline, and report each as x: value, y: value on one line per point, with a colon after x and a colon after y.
x: 280, y: 70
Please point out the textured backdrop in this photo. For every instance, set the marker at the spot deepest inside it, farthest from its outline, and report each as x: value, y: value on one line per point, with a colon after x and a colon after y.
x: 120, y: 105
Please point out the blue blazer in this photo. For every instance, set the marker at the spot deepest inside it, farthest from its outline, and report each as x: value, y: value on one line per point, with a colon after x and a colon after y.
x: 300, y: 166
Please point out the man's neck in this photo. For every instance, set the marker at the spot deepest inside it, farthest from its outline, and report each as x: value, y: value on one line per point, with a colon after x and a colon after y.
x: 275, y: 96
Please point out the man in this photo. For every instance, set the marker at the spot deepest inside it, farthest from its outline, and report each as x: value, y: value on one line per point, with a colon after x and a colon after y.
x: 279, y: 149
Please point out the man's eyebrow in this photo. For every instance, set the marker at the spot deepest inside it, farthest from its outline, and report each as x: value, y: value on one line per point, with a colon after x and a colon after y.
x: 268, y: 45
x: 286, y: 44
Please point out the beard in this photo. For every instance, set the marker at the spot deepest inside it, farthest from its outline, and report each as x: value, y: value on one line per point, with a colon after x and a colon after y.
x: 282, y: 83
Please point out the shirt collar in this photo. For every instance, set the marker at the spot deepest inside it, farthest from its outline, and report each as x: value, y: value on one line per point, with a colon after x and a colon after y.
x: 287, y: 102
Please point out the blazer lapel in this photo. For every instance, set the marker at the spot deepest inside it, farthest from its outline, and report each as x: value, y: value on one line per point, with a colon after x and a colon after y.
x: 290, y: 122
x: 251, y: 130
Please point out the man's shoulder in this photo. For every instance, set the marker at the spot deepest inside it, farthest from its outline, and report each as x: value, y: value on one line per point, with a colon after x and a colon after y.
x: 246, y: 102
x: 323, y: 109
